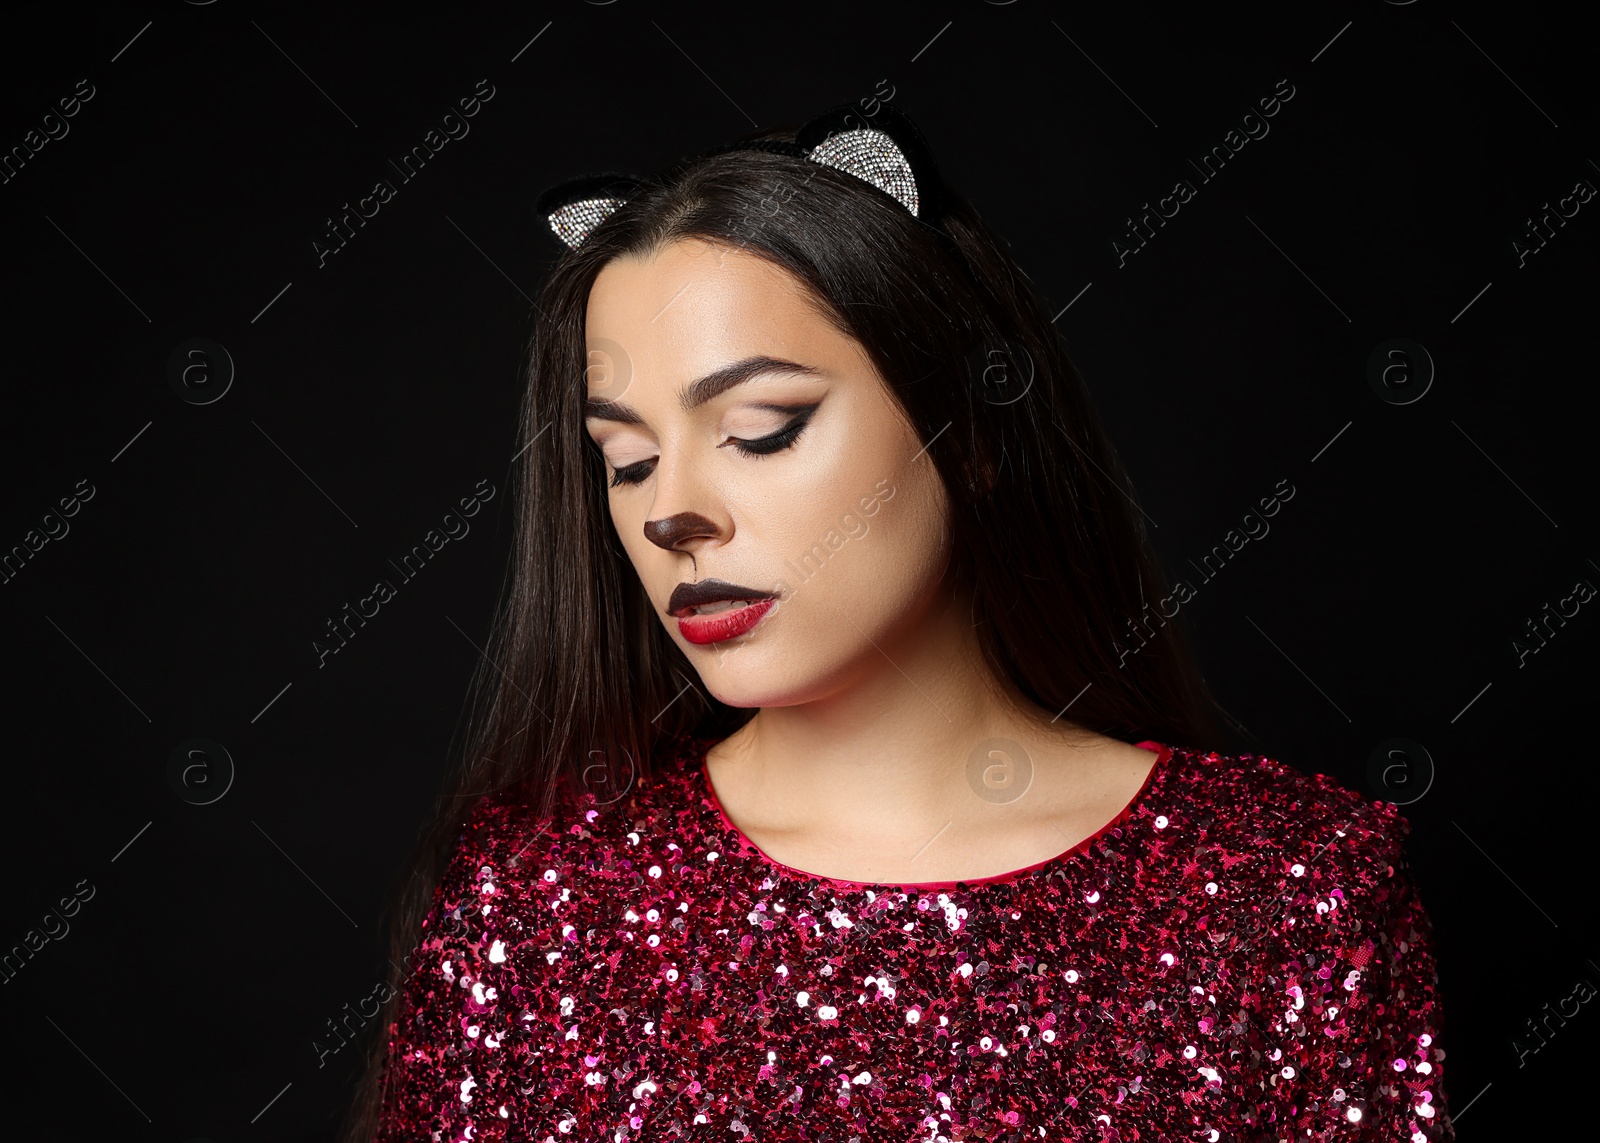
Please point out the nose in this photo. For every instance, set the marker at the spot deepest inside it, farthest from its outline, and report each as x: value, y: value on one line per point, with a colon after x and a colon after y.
x: 672, y: 530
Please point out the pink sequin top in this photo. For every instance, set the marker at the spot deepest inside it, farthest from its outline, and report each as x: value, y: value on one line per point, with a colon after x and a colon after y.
x: 1240, y: 955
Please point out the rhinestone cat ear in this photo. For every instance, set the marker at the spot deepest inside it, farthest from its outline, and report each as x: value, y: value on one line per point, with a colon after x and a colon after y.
x: 575, y: 207
x: 882, y: 147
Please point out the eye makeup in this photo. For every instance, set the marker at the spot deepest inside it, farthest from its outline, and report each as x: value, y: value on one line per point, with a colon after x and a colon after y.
x: 785, y: 438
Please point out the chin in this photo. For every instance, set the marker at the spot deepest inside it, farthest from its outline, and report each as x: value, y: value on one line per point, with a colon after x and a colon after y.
x: 739, y: 684
x: 741, y: 697
x: 740, y: 679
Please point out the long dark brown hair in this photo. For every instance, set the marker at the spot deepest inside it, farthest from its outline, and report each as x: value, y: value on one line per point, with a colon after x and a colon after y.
x: 581, y: 679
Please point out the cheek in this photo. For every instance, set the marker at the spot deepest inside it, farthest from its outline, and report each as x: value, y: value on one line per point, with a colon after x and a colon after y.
x: 627, y: 521
x: 877, y: 549
x: 859, y: 467
x: 912, y: 525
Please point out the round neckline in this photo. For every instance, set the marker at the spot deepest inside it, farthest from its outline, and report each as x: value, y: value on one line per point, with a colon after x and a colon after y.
x: 707, y: 790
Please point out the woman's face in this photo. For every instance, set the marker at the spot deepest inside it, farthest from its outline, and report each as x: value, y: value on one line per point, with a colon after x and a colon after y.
x: 834, y: 511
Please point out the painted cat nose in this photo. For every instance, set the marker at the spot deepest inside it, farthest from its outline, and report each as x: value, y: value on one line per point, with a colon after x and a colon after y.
x: 675, y: 529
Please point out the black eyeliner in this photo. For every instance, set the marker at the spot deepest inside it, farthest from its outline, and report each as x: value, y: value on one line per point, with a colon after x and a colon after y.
x: 770, y: 445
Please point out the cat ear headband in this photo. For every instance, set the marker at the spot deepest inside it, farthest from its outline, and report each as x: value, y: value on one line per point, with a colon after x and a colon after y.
x: 883, y: 148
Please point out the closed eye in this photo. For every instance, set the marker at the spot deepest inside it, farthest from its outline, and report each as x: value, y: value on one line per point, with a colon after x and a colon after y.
x: 762, y: 446
x: 777, y: 442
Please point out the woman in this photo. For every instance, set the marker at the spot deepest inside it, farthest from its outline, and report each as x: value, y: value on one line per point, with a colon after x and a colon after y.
x: 834, y: 777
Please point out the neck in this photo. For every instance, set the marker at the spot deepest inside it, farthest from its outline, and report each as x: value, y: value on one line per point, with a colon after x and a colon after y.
x: 900, y: 744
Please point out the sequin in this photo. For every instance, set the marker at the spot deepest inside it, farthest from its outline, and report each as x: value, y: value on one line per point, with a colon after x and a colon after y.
x: 646, y: 973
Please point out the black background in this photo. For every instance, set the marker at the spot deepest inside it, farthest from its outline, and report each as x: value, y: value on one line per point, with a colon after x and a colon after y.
x: 372, y: 393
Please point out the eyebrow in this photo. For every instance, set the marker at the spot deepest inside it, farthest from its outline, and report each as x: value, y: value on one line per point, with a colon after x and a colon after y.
x: 697, y: 393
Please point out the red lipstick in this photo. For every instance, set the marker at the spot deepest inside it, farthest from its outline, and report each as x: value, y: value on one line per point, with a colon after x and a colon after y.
x: 720, y: 625
x: 750, y: 605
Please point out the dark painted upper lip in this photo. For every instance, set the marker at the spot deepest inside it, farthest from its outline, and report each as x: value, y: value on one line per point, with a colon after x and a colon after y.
x: 687, y: 596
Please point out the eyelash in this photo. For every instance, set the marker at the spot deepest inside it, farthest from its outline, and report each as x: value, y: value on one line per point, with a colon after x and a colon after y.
x: 763, y: 446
